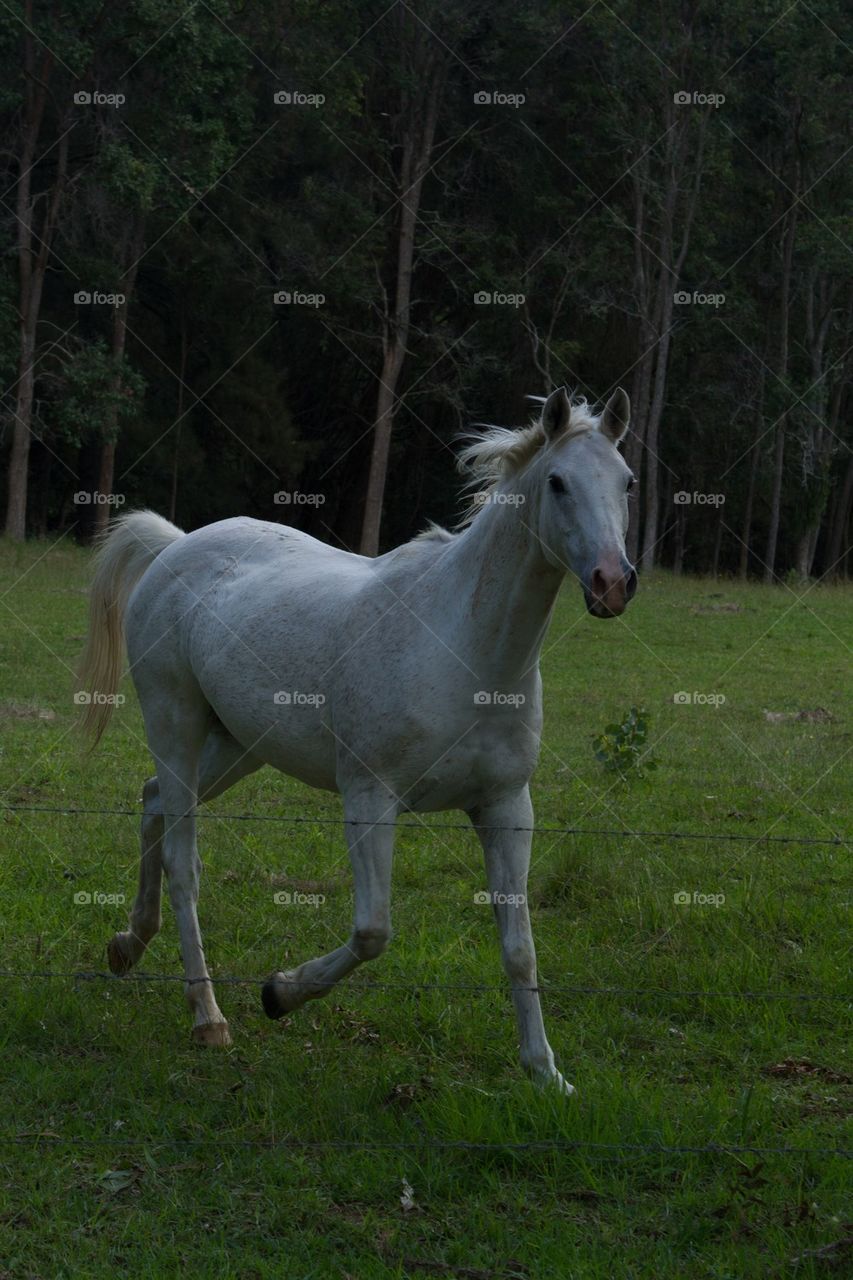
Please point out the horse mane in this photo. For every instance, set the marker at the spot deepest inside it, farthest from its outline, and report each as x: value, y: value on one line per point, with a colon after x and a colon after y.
x: 495, y: 454
x: 433, y: 533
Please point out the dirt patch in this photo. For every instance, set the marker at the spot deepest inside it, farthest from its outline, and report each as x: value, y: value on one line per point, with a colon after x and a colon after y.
x: 803, y: 1069
x: 279, y: 880
x: 817, y: 715
x: 728, y: 607
x: 22, y: 711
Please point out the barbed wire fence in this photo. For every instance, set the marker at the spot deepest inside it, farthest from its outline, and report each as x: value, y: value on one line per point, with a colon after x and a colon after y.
x: 84, y: 975
x: 426, y: 1144
x: 46, y: 1138
x: 321, y: 820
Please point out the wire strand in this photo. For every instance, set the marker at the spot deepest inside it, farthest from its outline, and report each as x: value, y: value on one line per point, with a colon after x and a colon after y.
x: 84, y: 975
x: 301, y: 819
x: 337, y: 1144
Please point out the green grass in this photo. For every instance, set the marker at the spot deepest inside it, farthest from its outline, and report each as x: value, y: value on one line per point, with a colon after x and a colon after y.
x: 98, y: 1063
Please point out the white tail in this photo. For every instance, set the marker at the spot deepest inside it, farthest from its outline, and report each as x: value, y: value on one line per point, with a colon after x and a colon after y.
x: 129, y: 546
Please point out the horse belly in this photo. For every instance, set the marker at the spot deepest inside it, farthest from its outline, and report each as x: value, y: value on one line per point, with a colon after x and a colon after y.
x: 299, y: 745
x: 468, y: 772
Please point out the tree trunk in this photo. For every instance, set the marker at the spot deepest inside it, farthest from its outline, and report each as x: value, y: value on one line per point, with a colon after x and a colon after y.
x: 182, y: 372
x: 837, y: 544
x: 106, y: 471
x: 754, y: 456
x: 680, y: 532
x: 417, y: 149
x: 775, y: 501
x: 825, y: 410
x: 746, y: 527
x: 803, y: 555
x: 634, y: 451
x: 392, y: 366
x: 782, y: 371
x: 678, y: 149
x: 652, y: 442
x: 119, y: 340
x: 718, y: 543
x: 31, y: 268
x: 641, y: 382
x: 16, y: 507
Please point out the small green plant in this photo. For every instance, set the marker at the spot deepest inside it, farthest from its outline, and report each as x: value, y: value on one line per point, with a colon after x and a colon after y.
x: 620, y: 746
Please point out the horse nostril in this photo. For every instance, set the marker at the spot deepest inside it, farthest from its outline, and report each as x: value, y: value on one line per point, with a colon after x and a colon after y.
x: 611, y: 587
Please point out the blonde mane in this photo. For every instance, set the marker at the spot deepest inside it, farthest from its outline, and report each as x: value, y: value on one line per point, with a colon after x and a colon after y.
x: 495, y: 454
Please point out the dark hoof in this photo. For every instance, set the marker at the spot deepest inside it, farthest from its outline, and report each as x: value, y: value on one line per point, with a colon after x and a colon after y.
x: 119, y: 960
x: 270, y: 1000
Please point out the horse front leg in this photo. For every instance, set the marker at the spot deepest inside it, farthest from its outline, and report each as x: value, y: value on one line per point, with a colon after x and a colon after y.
x: 507, y: 856
x: 371, y: 849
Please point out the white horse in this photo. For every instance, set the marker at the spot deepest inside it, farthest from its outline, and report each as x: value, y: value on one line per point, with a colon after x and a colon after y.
x: 409, y: 682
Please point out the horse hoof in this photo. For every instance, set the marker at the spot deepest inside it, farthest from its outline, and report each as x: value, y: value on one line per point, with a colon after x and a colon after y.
x: 119, y: 961
x: 212, y: 1034
x: 558, y: 1083
x: 547, y: 1078
x: 269, y: 999
x: 281, y: 994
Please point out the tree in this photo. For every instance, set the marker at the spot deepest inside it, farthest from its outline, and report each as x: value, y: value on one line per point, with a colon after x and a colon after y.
x: 45, y: 109
x: 423, y: 71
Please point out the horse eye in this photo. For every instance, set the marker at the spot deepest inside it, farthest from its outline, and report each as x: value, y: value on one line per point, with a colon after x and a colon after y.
x: 556, y: 484
x: 632, y: 480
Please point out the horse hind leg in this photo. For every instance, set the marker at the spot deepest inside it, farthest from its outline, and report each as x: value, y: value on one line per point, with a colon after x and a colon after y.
x: 125, y: 949
x: 223, y: 762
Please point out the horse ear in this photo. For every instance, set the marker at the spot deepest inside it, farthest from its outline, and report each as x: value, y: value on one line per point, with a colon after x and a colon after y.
x: 556, y: 413
x: 616, y: 416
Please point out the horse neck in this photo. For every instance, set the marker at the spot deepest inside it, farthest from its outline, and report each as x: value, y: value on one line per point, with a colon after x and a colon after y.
x: 502, y: 591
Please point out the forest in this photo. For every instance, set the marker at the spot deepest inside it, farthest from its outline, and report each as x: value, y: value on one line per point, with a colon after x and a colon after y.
x: 274, y: 258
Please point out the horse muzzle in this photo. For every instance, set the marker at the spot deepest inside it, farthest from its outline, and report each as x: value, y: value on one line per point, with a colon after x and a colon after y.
x: 612, y: 583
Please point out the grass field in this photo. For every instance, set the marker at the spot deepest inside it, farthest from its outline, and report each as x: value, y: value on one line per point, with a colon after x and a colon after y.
x: 144, y: 1155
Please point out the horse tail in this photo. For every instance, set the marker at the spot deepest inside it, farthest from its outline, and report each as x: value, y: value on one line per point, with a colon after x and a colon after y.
x: 125, y: 551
